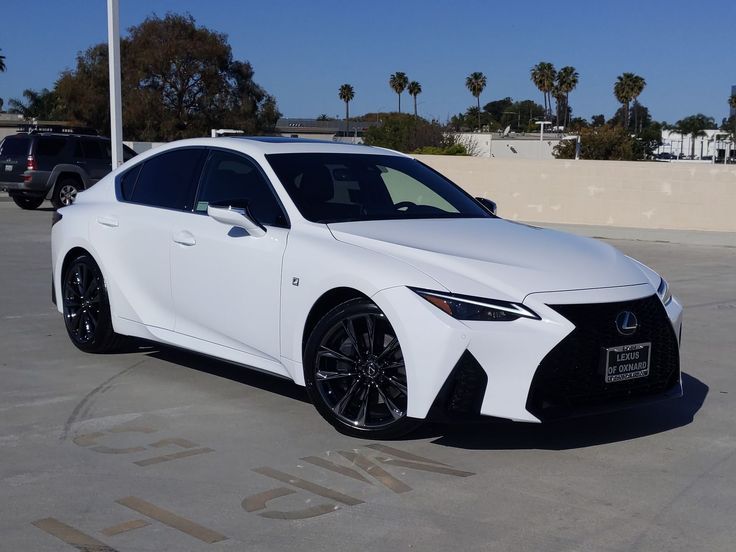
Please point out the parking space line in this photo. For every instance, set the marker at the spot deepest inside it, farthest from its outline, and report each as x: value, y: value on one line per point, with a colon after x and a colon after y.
x: 124, y: 527
x: 172, y: 456
x: 73, y: 537
x: 376, y: 471
x: 172, y: 520
x: 308, y: 486
x: 337, y: 468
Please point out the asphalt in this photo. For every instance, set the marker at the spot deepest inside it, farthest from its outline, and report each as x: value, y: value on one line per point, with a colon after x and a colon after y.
x: 159, y: 449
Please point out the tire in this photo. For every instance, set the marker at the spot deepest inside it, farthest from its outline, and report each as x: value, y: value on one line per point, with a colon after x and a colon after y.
x: 86, y: 307
x: 27, y: 203
x: 65, y: 192
x: 355, y: 375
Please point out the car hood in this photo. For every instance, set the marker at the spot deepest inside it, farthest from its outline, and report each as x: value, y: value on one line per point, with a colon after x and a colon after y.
x: 494, y: 256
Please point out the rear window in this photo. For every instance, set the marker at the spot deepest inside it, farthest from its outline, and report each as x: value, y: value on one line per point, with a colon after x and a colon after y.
x: 167, y: 179
x: 49, y: 147
x: 14, y: 146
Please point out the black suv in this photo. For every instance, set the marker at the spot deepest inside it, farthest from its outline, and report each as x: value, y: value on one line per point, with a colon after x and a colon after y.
x: 53, y: 163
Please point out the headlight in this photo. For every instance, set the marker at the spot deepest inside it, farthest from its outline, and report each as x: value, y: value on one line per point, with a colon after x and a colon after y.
x: 464, y: 307
x: 664, y: 292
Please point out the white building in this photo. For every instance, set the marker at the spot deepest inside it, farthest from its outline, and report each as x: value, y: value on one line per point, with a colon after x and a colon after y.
x: 715, y: 142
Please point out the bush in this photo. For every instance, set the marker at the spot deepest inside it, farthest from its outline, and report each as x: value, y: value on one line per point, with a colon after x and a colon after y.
x: 406, y: 133
x: 453, y: 149
x: 606, y: 142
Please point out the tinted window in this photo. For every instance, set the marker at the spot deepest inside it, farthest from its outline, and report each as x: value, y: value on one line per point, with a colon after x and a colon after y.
x: 232, y: 177
x: 96, y: 149
x: 14, y: 146
x: 166, y: 180
x: 49, y: 147
x: 335, y: 187
x: 127, y: 181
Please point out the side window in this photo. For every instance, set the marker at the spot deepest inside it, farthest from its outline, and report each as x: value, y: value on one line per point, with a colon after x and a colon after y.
x: 228, y: 176
x: 128, y: 180
x: 166, y: 180
x: 96, y: 149
x: 48, y: 147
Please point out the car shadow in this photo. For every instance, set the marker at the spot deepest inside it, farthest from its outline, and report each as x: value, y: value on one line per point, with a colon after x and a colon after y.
x: 220, y: 368
x: 576, y: 433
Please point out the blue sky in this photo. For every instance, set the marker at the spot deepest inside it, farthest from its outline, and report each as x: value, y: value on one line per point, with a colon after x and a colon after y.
x: 302, y: 51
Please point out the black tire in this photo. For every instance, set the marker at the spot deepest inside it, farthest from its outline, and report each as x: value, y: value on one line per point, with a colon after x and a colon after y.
x: 86, y: 307
x: 27, y: 203
x: 355, y: 374
x: 65, y: 192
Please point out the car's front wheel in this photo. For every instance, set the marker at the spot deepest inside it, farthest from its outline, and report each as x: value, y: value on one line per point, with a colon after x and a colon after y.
x: 65, y: 192
x: 86, y: 307
x: 355, y: 373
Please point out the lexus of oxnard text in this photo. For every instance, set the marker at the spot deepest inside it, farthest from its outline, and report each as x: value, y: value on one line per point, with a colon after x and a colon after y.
x: 363, y: 274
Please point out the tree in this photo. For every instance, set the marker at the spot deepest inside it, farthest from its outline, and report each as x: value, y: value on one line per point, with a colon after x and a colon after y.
x: 598, y: 120
x: 476, y: 83
x: 37, y: 104
x: 543, y: 75
x: 414, y: 90
x: 695, y: 126
x: 627, y: 87
x: 732, y: 101
x: 2, y: 62
x: 179, y: 80
x: 637, y: 88
x: 606, y: 142
x: 346, y: 94
x: 398, y: 83
x: 403, y: 132
x: 566, y: 81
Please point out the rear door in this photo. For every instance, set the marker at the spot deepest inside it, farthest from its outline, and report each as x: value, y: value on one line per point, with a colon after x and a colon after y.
x: 135, y: 234
x: 13, y: 157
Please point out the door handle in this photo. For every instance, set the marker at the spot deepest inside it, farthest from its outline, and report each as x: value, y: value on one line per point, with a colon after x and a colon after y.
x: 184, y: 238
x: 112, y: 222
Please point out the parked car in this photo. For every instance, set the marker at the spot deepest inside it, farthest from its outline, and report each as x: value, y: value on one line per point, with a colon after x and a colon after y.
x: 366, y: 276
x: 54, y: 164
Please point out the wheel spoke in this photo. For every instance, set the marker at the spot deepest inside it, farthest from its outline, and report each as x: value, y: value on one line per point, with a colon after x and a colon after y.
x: 394, y: 410
x: 331, y: 353
x: 363, y: 412
x: 90, y: 288
x: 370, y: 324
x: 394, y: 365
x: 392, y: 346
x: 397, y: 384
x: 350, y: 331
x: 327, y: 376
x: 342, y: 404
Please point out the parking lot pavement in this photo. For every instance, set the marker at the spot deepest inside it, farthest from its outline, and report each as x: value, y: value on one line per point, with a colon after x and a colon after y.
x: 159, y: 449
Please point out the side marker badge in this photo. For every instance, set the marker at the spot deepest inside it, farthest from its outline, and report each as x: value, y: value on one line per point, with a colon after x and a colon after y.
x: 295, y: 281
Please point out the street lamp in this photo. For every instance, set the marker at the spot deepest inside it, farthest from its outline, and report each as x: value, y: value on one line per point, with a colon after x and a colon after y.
x: 116, y: 111
x: 541, y: 133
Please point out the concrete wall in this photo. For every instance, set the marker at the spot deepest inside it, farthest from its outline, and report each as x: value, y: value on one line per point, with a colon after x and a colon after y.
x: 514, y: 147
x: 616, y: 193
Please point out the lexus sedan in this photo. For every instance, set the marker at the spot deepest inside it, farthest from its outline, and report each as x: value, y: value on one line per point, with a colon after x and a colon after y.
x: 366, y: 276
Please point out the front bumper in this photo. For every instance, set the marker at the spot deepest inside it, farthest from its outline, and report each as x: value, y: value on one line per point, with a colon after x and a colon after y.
x: 532, y: 370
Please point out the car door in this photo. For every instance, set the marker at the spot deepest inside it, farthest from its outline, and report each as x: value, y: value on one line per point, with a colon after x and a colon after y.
x: 134, y: 235
x: 226, y: 284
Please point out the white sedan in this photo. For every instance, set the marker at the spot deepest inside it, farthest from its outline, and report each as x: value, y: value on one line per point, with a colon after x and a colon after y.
x: 366, y: 276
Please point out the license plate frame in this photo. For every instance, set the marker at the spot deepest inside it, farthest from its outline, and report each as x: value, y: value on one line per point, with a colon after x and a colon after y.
x: 627, y: 362
x: 8, y: 168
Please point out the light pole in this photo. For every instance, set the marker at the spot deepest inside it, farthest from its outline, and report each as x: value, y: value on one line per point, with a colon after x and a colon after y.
x: 541, y: 134
x: 116, y: 111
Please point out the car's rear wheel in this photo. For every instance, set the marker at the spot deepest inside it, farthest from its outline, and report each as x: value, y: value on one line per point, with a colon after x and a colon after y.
x: 86, y: 307
x: 65, y: 192
x: 27, y: 202
x: 355, y: 373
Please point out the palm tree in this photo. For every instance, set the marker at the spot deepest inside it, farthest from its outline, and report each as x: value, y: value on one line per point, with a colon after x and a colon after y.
x: 567, y: 81
x: 543, y: 75
x: 628, y: 86
x: 476, y: 83
x: 732, y: 101
x: 2, y: 62
x: 414, y: 89
x: 637, y: 88
x: 398, y: 82
x: 695, y: 126
x: 346, y: 94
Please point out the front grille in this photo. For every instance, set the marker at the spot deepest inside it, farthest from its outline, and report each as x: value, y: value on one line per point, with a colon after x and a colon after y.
x: 572, y: 374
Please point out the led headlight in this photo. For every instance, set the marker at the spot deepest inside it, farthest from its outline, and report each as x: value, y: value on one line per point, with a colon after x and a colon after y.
x: 464, y: 307
x: 664, y: 292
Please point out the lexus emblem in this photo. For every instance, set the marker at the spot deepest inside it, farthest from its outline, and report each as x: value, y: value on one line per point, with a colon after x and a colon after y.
x: 626, y: 323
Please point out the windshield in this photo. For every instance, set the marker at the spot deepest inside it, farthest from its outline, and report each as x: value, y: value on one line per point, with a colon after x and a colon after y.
x: 342, y: 187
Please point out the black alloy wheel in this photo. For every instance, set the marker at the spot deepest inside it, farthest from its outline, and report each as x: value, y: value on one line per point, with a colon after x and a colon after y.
x: 86, y: 307
x: 27, y: 202
x: 355, y: 372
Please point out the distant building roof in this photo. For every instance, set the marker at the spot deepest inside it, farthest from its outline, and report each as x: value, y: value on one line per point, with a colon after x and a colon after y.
x: 314, y: 126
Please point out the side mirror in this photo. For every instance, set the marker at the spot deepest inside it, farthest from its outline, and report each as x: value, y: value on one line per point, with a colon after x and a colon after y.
x: 237, y: 216
x: 488, y: 204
